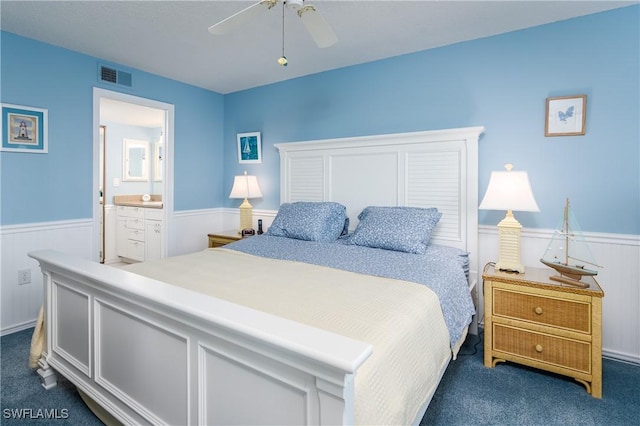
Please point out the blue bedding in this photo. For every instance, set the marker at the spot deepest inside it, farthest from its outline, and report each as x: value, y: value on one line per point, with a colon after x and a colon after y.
x: 441, y: 268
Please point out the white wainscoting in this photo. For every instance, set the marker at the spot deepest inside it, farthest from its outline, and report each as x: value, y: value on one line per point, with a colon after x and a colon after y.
x: 232, y: 218
x: 190, y: 228
x: 619, y: 254
x: 20, y: 303
x: 619, y: 278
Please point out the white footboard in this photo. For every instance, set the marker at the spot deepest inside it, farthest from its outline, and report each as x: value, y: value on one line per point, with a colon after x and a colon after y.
x: 176, y: 357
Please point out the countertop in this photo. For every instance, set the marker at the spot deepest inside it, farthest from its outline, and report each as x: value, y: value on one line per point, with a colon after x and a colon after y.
x: 136, y: 201
x: 146, y: 204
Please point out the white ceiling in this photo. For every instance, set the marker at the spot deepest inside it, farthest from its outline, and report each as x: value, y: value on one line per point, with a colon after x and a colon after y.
x: 170, y: 38
x: 131, y: 114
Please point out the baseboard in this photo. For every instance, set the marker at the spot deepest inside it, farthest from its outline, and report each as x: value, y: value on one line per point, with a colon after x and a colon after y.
x: 18, y: 327
x: 617, y: 356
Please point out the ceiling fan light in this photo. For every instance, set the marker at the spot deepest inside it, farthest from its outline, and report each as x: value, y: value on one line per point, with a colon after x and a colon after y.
x: 282, y: 60
x: 294, y: 4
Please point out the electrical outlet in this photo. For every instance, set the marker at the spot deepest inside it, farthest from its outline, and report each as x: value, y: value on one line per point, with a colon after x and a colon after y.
x: 24, y: 276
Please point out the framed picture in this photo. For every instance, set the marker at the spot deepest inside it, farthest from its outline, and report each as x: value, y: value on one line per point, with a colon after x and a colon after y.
x: 24, y: 129
x: 566, y: 116
x: 249, y: 148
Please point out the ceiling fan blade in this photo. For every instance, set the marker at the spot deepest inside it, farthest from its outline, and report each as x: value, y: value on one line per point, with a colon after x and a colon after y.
x: 239, y: 18
x: 318, y: 28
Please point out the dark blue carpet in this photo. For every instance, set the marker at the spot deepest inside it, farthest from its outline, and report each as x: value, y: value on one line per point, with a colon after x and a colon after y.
x: 509, y: 394
x: 469, y: 394
x: 24, y: 400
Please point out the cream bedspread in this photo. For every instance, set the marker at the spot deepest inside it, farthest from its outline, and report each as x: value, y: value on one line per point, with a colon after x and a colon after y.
x: 403, y: 321
x: 37, y: 340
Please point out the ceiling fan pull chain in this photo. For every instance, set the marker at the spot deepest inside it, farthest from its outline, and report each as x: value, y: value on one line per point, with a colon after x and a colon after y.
x: 282, y: 60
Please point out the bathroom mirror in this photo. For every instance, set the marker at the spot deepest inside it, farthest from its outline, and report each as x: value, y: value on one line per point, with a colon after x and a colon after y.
x: 136, y: 160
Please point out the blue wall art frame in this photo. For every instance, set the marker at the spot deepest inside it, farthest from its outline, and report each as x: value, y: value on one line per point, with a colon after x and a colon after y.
x: 249, y: 148
x: 566, y: 116
x: 24, y: 129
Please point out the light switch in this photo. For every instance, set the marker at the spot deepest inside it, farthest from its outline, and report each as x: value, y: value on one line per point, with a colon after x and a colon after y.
x: 116, y: 182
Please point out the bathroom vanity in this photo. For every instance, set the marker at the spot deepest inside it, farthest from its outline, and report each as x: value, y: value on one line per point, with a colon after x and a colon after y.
x: 139, y: 228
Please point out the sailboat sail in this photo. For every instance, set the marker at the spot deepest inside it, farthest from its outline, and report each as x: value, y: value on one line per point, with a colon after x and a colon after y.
x: 568, y: 252
x: 246, y: 148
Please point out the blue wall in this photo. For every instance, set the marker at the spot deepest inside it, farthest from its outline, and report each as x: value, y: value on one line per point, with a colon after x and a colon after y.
x: 499, y: 82
x: 59, y: 185
x: 115, y: 135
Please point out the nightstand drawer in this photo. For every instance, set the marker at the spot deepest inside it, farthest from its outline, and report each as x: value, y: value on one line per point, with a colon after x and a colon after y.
x: 223, y: 238
x: 565, y: 353
x: 568, y: 314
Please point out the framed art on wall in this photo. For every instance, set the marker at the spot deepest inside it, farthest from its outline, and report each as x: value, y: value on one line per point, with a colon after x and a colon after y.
x: 249, y: 148
x: 566, y: 116
x: 24, y: 129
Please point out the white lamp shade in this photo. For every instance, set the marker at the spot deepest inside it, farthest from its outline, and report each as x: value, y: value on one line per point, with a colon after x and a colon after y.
x: 245, y: 187
x: 509, y: 191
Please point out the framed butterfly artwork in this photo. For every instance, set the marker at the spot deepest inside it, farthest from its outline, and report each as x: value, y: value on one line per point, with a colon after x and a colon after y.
x: 566, y: 116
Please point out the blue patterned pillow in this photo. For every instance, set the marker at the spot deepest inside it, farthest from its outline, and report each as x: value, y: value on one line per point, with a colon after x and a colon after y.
x: 406, y: 229
x: 310, y: 221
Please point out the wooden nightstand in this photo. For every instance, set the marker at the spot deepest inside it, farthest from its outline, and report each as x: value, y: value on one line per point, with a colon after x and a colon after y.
x: 532, y: 320
x: 220, y: 239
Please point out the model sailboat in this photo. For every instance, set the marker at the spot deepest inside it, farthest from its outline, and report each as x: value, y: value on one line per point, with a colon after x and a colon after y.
x: 568, y: 252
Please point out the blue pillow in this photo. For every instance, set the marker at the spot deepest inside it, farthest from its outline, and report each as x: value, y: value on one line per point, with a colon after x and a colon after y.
x: 406, y: 229
x: 310, y: 221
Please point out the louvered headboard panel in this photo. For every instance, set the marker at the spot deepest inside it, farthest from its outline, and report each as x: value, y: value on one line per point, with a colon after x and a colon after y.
x: 423, y: 169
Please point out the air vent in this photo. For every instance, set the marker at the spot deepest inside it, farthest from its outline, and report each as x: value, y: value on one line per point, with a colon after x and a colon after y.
x: 115, y: 76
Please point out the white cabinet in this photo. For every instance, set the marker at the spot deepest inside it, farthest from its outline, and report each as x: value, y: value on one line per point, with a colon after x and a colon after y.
x: 139, y: 233
x: 153, y: 234
x: 110, y: 230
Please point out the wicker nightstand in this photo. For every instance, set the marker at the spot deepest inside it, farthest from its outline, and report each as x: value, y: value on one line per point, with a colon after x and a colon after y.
x: 541, y: 323
x: 220, y: 239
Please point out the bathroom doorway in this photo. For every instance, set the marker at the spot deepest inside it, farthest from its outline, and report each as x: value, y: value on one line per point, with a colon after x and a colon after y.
x: 116, y: 117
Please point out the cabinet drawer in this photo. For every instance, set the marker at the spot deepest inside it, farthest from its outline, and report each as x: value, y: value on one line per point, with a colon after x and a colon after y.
x: 568, y: 314
x: 135, y: 234
x: 135, y: 223
x: 558, y: 351
x: 154, y: 214
x: 135, y: 250
x: 130, y: 211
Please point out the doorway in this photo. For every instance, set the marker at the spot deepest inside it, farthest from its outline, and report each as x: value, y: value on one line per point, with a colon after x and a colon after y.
x: 133, y: 114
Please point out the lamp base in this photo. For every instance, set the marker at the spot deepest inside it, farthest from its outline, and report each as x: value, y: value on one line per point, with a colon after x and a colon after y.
x: 509, y: 230
x: 246, y: 215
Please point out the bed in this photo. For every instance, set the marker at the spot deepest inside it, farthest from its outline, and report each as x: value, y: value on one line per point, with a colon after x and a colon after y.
x: 271, y: 330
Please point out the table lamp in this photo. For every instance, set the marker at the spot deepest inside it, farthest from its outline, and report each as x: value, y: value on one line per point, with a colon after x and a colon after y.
x: 245, y: 187
x: 509, y: 191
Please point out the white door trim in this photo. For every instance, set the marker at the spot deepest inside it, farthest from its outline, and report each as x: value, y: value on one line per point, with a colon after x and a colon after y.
x: 167, y: 194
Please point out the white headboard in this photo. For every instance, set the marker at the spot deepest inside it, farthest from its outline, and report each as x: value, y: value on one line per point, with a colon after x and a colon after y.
x: 437, y: 168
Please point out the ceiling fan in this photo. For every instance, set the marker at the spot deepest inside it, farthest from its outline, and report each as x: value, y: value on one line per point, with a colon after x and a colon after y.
x: 317, y: 27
